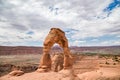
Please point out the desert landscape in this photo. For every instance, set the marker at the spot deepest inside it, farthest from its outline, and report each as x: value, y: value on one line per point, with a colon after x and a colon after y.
x: 60, y: 40
x: 87, y: 65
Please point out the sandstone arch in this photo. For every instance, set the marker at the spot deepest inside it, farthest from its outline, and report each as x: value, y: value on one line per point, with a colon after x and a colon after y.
x: 55, y: 35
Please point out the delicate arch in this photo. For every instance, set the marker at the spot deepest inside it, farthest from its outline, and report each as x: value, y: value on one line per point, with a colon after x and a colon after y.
x: 55, y: 35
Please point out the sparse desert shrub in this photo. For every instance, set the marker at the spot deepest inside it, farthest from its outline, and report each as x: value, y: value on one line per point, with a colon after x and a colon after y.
x: 107, y: 63
x: 114, y: 63
x: 100, y: 63
x: 100, y: 56
x: 90, y: 53
x: 115, y: 58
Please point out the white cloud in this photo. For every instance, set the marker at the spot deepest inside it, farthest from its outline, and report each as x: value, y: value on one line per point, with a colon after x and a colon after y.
x: 110, y: 42
x: 77, y: 43
x: 17, y: 17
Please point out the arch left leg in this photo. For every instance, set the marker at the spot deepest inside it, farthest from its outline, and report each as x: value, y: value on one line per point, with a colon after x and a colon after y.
x: 45, y: 62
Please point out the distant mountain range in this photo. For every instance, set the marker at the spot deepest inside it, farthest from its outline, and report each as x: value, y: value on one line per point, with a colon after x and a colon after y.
x: 9, y: 50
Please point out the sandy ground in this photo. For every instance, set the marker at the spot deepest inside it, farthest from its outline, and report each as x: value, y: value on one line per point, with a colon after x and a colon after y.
x: 62, y: 75
x: 101, y: 74
x: 33, y: 76
x: 89, y: 68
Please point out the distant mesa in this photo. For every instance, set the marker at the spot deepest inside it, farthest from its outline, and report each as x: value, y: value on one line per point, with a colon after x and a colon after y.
x: 11, y: 50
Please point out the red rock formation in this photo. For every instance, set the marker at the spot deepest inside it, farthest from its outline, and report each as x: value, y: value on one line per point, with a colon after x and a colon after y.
x: 55, y: 35
x: 5, y: 50
x: 57, y: 62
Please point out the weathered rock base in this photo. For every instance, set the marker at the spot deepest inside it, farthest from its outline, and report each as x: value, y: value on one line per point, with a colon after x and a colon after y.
x: 68, y: 74
x: 16, y: 73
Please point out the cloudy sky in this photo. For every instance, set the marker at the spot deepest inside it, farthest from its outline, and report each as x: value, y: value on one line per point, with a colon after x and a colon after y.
x: 85, y: 22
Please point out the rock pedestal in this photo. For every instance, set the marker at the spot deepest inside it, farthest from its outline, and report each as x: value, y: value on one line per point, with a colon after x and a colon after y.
x: 57, y: 62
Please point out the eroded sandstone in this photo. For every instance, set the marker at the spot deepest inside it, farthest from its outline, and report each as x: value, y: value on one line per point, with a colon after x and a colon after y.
x: 55, y: 35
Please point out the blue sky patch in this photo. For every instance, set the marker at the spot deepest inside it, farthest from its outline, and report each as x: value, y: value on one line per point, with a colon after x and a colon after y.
x: 30, y: 32
x: 111, y: 6
x: 103, y: 38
